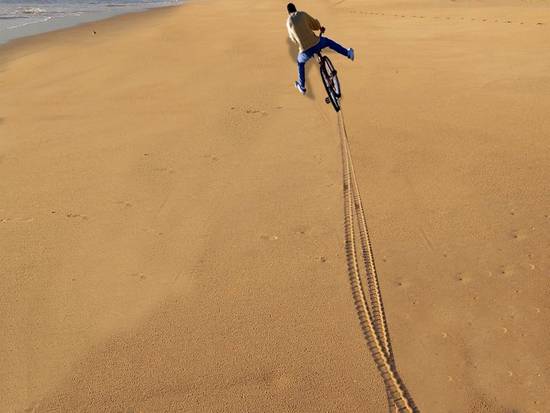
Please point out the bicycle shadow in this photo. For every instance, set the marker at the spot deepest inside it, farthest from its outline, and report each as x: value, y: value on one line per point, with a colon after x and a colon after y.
x: 293, y: 53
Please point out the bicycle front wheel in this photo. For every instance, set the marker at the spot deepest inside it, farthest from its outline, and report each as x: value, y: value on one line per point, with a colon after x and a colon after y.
x: 333, y: 74
x: 330, y: 81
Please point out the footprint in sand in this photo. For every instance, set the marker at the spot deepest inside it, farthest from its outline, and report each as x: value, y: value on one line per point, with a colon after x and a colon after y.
x: 530, y: 266
x: 462, y: 278
x: 23, y: 220
x: 170, y: 171
x: 125, y: 204
x: 506, y: 271
x: 254, y: 111
x: 269, y: 237
x: 302, y: 229
x: 153, y: 231
x: 402, y: 283
x: 518, y: 235
x: 138, y: 275
x: 211, y: 157
x: 71, y: 215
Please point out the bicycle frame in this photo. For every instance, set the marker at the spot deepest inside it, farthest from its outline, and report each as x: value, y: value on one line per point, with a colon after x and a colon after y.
x: 330, y: 79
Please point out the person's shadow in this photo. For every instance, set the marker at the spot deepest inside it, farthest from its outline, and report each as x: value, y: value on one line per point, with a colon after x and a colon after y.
x: 293, y: 52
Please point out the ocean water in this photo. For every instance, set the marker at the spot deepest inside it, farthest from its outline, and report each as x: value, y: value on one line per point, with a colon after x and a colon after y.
x: 20, y: 18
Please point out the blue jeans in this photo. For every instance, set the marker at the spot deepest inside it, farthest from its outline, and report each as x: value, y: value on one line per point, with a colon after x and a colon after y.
x: 309, y: 53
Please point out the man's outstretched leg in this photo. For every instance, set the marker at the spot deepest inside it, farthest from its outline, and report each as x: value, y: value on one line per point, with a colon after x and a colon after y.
x: 326, y: 42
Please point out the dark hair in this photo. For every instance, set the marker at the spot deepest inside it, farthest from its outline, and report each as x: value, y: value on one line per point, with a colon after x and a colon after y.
x: 291, y: 8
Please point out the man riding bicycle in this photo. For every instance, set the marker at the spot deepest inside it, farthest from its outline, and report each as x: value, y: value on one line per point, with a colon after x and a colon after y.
x: 301, y: 27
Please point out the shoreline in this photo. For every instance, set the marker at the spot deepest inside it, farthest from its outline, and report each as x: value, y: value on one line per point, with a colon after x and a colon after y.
x: 82, y: 23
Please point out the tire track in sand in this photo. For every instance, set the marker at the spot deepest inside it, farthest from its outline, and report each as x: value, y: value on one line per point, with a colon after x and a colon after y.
x: 368, y: 301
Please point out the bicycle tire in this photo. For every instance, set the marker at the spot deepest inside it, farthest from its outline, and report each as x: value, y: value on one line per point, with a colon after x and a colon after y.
x: 334, y: 75
x: 328, y: 82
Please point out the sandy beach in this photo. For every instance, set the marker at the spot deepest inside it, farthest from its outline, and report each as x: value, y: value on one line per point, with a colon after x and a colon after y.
x: 172, y: 219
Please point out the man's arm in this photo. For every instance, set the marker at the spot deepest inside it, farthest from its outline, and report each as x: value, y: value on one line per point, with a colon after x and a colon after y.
x: 313, y: 23
x: 290, y: 32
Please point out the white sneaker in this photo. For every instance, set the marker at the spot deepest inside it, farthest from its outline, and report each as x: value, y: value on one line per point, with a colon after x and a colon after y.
x: 351, y: 54
x: 300, y: 88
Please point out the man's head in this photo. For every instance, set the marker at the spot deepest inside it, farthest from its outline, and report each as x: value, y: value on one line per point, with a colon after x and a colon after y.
x: 291, y: 8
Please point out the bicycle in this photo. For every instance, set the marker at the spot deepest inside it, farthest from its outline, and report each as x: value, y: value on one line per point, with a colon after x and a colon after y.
x: 329, y: 75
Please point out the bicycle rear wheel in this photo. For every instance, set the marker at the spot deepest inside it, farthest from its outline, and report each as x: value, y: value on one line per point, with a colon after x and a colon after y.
x: 331, y: 82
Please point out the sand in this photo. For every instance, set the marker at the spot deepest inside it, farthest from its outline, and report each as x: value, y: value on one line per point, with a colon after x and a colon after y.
x: 171, y: 212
